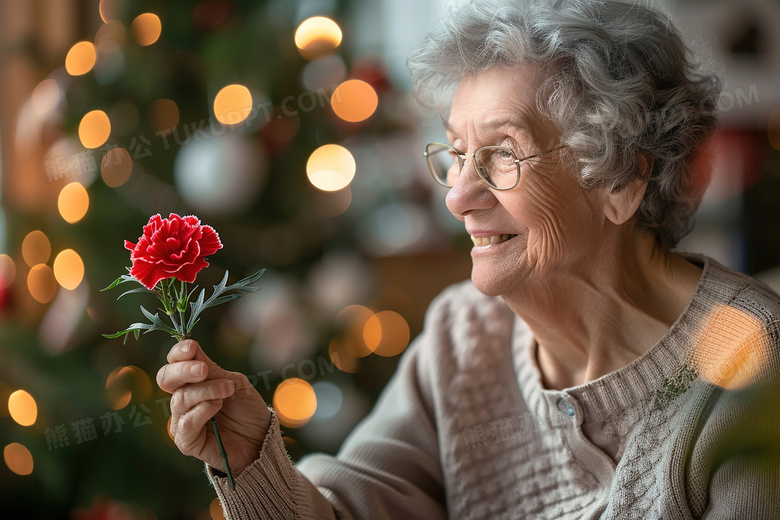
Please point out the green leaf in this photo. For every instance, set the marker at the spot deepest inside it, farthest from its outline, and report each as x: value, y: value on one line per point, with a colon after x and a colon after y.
x: 135, y: 328
x: 122, y: 279
x: 157, y: 323
x: 138, y: 290
x: 219, y: 295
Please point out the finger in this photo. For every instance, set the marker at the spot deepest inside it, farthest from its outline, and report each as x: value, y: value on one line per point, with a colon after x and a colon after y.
x: 173, y: 376
x: 190, y: 436
x: 189, y: 349
x: 189, y: 396
x: 185, y: 350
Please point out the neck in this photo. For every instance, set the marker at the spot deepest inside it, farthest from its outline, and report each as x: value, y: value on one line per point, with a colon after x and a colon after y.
x: 593, y: 319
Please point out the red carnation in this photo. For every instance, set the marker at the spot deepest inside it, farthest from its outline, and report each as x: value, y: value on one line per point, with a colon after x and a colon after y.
x: 172, y: 247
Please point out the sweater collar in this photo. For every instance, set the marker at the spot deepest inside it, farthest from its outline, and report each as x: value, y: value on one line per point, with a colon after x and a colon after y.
x: 642, y: 379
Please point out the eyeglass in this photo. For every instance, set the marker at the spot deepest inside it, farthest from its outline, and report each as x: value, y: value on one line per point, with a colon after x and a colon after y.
x: 499, y: 167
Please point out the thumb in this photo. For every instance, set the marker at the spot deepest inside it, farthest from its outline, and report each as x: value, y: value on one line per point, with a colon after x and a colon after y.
x: 215, y: 371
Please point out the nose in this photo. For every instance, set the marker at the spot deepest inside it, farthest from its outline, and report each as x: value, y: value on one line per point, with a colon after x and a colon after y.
x: 469, y: 193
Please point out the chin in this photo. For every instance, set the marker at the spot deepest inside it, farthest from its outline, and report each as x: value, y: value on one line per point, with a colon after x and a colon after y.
x: 488, y: 285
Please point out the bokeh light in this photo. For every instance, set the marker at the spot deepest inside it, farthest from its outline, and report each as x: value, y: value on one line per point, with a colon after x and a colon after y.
x: 316, y: 36
x: 46, y: 96
x: 232, y: 104
x: 146, y: 28
x: 126, y: 383
x: 110, y: 9
x: 351, y: 320
x: 18, y: 459
x: 331, y: 167
x: 295, y: 402
x: 22, y: 408
x: 110, y: 37
x: 36, y: 248
x: 80, y: 58
x: 116, y: 167
x: 73, y: 202
x: 215, y: 510
x: 340, y: 356
x: 222, y: 175
x: 354, y: 100
x: 7, y: 271
x: 68, y: 269
x: 731, y: 349
x: 41, y: 283
x: 387, y: 333
x: 163, y: 116
x: 94, y: 129
x: 329, y: 399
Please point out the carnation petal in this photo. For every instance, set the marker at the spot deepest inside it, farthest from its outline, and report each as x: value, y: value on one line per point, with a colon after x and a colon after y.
x: 147, y: 273
x: 188, y: 272
x: 209, y: 243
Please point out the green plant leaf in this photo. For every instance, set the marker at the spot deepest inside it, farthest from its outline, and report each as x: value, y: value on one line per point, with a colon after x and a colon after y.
x: 157, y: 323
x: 138, y: 290
x: 122, y: 279
x: 219, y: 296
x: 135, y: 328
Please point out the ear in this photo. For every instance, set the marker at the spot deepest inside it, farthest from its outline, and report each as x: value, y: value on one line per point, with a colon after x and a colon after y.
x: 621, y: 205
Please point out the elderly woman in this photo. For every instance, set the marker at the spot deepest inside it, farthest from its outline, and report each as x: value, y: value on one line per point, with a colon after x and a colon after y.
x: 585, y: 370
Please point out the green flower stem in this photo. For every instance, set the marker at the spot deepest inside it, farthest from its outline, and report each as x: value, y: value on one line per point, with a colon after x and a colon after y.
x: 178, y: 302
x: 224, y: 455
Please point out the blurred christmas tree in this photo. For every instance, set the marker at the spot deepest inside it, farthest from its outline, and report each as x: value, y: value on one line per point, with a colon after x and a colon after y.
x: 254, y: 116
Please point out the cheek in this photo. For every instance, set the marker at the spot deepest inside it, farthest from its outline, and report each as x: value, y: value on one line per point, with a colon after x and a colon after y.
x: 557, y: 216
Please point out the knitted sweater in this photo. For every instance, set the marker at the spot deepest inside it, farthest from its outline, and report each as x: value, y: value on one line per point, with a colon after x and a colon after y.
x: 466, y: 430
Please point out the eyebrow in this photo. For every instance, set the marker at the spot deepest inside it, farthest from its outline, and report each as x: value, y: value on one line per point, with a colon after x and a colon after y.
x: 489, y: 126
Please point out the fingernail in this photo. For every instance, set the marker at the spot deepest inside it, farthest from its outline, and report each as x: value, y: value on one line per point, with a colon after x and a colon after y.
x: 230, y: 386
x: 198, y: 370
x: 186, y: 347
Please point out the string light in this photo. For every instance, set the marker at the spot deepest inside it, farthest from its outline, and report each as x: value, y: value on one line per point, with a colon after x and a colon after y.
x: 18, y: 458
x: 330, y: 167
x: 109, y: 9
x: 110, y: 37
x: 316, y: 36
x: 295, y: 402
x: 41, y: 283
x: 146, y: 28
x: 94, y: 129
x: 116, y: 167
x: 36, y: 248
x: 22, y: 408
x: 386, y: 333
x: 164, y: 116
x: 80, y: 59
x: 354, y: 100
x: 126, y: 382
x: 232, y: 104
x: 73, y: 202
x: 68, y: 269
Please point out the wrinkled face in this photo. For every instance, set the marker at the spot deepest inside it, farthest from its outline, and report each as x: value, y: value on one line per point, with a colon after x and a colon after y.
x: 545, y: 227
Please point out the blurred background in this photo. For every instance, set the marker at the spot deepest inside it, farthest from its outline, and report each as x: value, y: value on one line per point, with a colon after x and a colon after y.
x: 289, y: 127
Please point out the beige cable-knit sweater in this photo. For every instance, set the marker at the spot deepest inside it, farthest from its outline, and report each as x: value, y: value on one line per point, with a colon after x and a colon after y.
x: 465, y: 429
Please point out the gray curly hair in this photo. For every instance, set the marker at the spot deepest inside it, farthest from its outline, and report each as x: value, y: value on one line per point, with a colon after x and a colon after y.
x: 620, y: 84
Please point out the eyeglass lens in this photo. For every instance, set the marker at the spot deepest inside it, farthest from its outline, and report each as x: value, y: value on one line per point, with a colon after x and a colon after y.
x: 496, y: 165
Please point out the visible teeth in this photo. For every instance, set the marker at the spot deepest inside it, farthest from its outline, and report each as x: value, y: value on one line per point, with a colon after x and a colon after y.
x: 495, y: 239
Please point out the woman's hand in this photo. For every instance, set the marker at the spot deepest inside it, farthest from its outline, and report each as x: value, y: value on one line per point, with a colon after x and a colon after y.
x: 201, y: 390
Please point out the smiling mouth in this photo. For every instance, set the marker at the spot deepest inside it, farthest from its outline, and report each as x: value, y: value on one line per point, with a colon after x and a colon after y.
x: 495, y: 239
